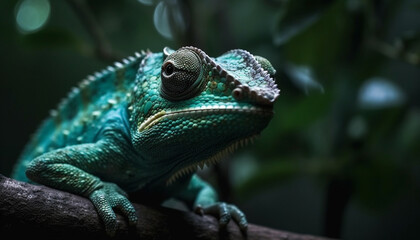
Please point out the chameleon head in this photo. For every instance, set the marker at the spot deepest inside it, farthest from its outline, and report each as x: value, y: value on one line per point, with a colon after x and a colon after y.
x: 194, y: 109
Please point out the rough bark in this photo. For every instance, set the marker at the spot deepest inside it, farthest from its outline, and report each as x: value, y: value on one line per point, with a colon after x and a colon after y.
x: 41, y: 213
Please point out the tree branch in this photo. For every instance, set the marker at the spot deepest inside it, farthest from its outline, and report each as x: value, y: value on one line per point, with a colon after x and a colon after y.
x: 103, y: 47
x: 49, y: 213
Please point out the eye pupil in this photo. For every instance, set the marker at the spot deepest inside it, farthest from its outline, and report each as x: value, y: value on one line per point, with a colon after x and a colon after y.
x: 169, y: 69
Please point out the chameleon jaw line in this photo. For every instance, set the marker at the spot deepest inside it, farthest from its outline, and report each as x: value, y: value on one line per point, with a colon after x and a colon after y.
x: 151, y: 121
x: 155, y: 118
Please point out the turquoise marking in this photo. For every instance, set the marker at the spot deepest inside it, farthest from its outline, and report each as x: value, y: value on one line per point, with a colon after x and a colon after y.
x: 147, y: 107
x: 119, y: 133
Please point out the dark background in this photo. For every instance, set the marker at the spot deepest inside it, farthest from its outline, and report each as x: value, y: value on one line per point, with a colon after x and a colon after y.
x: 341, y: 156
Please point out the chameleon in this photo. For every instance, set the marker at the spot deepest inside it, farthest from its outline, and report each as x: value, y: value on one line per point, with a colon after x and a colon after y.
x: 146, y: 124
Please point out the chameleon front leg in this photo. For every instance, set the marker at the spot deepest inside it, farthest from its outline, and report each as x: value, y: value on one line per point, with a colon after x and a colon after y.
x: 71, y: 169
x: 206, y: 203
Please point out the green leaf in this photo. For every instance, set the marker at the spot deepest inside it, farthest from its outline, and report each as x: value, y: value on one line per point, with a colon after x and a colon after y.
x: 296, y: 17
x: 147, y: 2
x: 303, y: 78
x: 169, y: 20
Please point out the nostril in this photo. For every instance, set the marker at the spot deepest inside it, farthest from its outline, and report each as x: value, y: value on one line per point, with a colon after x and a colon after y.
x: 237, y: 93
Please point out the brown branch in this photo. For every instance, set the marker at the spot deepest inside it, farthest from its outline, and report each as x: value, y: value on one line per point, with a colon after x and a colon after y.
x: 43, y: 212
x: 103, y: 48
x: 395, y: 51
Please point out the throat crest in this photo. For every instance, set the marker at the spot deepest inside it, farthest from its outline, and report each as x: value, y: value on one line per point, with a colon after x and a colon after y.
x: 211, y: 160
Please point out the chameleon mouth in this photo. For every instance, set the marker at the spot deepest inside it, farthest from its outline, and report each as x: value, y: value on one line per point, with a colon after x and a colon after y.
x: 211, y: 160
x: 155, y: 118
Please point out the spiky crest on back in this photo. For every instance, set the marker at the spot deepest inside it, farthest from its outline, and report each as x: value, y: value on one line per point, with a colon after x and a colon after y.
x: 111, y: 80
x: 94, y: 94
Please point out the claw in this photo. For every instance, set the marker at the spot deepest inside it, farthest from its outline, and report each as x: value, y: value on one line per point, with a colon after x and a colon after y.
x: 224, y: 212
x: 106, y: 198
x: 199, y: 210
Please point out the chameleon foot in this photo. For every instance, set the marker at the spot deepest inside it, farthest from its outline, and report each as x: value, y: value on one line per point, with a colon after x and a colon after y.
x: 106, y: 198
x: 224, y: 212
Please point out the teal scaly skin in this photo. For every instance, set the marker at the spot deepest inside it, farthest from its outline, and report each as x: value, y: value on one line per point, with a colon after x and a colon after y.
x: 146, y: 124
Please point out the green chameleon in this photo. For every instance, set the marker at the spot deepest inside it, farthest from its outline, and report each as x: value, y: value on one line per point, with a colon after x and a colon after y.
x: 146, y: 124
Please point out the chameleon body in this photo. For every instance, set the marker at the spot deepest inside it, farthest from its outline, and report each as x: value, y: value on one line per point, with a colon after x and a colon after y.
x: 146, y: 124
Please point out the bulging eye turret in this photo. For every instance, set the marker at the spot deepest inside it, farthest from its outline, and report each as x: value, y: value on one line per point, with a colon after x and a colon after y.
x: 181, y: 75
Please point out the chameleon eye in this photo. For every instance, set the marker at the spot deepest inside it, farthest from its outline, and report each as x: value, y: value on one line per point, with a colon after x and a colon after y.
x: 180, y: 75
x: 169, y: 69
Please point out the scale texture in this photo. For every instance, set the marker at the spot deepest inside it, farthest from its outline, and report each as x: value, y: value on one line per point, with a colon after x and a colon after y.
x: 146, y: 124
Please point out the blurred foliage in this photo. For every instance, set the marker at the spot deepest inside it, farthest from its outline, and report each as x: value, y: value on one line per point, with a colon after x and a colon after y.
x: 348, y: 72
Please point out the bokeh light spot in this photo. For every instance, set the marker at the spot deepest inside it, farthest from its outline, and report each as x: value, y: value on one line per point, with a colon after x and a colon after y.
x: 379, y: 93
x: 32, y: 15
x: 161, y: 20
x: 147, y: 2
